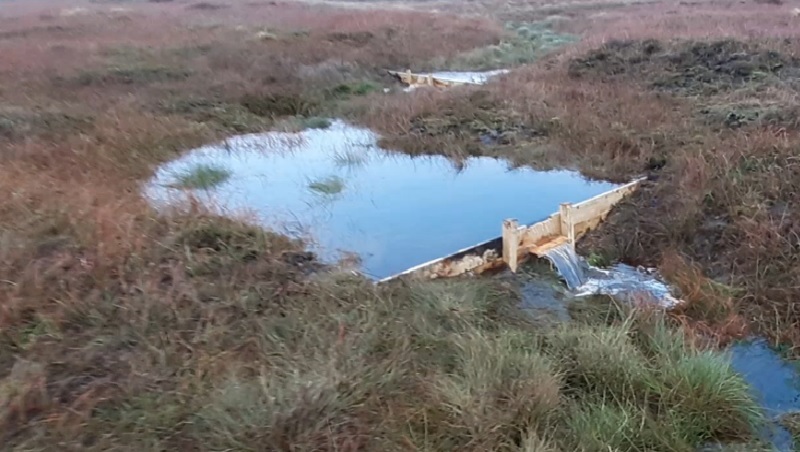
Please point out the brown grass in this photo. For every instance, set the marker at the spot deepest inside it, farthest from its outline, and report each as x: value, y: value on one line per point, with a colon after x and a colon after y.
x: 93, y: 101
x: 718, y: 147
x: 122, y: 328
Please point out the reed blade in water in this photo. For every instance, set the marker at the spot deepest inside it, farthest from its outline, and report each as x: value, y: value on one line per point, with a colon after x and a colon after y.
x: 568, y: 264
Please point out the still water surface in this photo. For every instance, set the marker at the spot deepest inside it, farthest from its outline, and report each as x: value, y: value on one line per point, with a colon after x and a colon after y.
x: 337, y: 188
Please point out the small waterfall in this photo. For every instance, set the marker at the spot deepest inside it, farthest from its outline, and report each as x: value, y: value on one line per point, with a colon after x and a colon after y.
x: 568, y: 264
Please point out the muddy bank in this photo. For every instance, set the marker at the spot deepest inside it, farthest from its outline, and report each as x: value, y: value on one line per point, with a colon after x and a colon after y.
x: 688, y: 67
x: 741, y: 82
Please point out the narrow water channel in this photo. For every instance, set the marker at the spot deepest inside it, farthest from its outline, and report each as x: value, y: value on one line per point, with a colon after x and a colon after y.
x: 776, y: 386
x: 774, y: 381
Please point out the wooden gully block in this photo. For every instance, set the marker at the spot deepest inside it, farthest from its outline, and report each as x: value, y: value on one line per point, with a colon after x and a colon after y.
x: 511, y: 243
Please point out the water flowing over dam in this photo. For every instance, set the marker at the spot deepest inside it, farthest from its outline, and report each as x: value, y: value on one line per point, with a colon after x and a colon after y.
x: 568, y: 264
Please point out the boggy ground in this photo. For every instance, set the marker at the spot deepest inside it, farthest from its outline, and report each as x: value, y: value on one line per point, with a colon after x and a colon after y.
x: 712, y: 122
x: 121, y: 329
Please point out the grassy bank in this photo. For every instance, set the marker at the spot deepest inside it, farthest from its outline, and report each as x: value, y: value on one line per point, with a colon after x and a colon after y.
x: 227, y: 345
x: 124, y: 329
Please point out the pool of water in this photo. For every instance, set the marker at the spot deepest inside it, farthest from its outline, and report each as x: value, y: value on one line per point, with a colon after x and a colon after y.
x: 775, y: 383
x: 338, y: 189
x: 541, y: 292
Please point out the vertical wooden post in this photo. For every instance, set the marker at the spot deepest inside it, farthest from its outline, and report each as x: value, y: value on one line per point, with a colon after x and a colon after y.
x: 567, y: 226
x: 511, y: 243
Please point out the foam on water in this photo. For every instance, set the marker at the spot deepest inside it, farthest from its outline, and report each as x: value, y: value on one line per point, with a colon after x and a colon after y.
x: 631, y: 284
x: 621, y: 281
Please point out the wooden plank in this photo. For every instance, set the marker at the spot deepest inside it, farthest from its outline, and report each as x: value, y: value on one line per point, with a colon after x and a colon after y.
x: 417, y: 80
x: 516, y: 244
x: 511, y: 243
x: 567, y: 225
x: 597, y: 205
x: 474, y: 259
x: 536, y: 232
x: 540, y: 250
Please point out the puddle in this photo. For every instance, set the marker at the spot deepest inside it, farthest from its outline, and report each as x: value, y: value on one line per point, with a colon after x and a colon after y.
x: 541, y: 292
x: 775, y: 383
x: 337, y: 187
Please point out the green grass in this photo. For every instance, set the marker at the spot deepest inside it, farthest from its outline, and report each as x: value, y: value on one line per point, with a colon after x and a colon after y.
x: 637, y: 385
x: 598, y: 259
x: 202, y: 176
x: 331, y: 185
x: 791, y: 422
x: 349, y: 159
x: 335, y: 359
x: 526, y: 43
x: 476, y: 374
x: 348, y: 90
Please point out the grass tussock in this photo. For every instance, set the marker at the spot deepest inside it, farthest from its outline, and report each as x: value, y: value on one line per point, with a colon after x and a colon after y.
x: 202, y: 176
x: 281, y: 361
x: 331, y: 185
x: 658, y: 366
x: 472, y: 385
x: 791, y: 422
x: 524, y: 43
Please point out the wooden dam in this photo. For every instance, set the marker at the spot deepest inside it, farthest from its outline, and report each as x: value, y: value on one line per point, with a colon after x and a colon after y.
x: 444, y: 79
x: 517, y: 243
x: 416, y: 80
